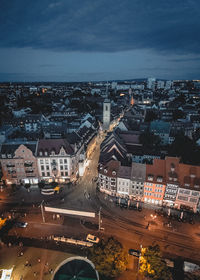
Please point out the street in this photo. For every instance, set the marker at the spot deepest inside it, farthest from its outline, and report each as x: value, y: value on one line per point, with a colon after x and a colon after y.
x: 131, y: 227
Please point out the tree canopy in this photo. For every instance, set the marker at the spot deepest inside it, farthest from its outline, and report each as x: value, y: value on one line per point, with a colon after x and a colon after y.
x: 185, y: 148
x: 109, y: 257
x: 152, y: 265
x: 149, y: 140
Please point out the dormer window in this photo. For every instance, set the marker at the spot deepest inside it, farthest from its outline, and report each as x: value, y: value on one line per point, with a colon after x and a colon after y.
x: 159, y: 179
x: 114, y: 172
x: 150, y: 177
x: 105, y: 170
x: 46, y: 153
x: 172, y: 167
x: 53, y: 153
x: 40, y: 153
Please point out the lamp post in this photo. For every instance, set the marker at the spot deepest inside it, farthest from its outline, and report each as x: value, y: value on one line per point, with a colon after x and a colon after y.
x: 139, y: 261
x: 42, y: 211
x: 100, y: 218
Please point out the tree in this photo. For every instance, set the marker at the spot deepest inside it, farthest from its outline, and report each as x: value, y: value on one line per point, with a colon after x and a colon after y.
x: 152, y: 265
x: 109, y: 257
x: 178, y: 114
x: 185, y: 148
x: 41, y: 184
x: 27, y: 186
x: 150, y: 116
x: 149, y: 140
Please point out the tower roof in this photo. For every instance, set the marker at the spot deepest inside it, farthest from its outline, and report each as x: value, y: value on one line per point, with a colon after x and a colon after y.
x: 76, y: 268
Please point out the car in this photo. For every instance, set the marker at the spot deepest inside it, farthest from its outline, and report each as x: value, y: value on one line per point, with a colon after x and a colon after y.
x: 133, y: 252
x: 92, y: 238
x: 21, y: 224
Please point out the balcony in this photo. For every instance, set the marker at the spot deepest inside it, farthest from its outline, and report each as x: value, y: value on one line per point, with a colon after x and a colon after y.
x: 26, y: 164
x: 29, y: 171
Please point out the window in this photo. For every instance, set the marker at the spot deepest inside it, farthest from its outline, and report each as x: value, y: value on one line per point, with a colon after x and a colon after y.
x: 62, y: 173
x: 40, y: 153
x: 106, y: 108
x: 65, y: 160
x: 61, y: 167
x: 66, y: 167
x: 66, y: 173
x: 47, y: 167
x: 194, y: 200
x: 195, y: 193
x: 61, y: 160
x: 48, y: 174
x: 42, y: 167
x: 41, y: 161
x: 183, y: 198
x: 43, y: 173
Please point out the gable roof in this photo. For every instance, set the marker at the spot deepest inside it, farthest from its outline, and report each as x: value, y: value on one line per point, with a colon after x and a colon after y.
x: 49, y: 145
x: 10, y: 148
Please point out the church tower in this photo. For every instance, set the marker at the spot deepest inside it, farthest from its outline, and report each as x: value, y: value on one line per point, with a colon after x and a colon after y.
x: 106, y: 114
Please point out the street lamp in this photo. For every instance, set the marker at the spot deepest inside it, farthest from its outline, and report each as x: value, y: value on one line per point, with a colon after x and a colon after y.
x: 100, y: 220
x: 42, y: 211
x: 153, y: 216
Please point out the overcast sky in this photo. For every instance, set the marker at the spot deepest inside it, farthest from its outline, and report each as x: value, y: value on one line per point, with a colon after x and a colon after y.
x: 78, y: 40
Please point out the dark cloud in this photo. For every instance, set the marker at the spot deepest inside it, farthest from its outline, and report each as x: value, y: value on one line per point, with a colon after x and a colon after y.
x: 101, y: 25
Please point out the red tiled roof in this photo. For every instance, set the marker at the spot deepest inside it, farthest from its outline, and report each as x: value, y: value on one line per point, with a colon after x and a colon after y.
x: 157, y: 169
x: 108, y: 169
x: 172, y: 168
x: 189, y: 175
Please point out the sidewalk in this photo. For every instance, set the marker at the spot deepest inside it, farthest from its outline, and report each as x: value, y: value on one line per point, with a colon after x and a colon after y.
x: 144, y: 217
x: 33, y: 195
x: 40, y: 262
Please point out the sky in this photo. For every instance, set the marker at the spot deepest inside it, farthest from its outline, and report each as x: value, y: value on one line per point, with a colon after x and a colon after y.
x: 91, y: 40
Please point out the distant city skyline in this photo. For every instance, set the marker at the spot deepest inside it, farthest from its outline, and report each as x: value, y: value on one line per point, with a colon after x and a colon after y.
x: 89, y: 40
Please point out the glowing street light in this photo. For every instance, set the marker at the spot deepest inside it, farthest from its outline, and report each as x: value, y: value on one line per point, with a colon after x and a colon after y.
x: 153, y: 216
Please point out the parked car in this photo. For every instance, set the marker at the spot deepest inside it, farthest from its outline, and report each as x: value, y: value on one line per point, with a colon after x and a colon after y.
x: 133, y: 252
x: 92, y: 238
x: 21, y: 224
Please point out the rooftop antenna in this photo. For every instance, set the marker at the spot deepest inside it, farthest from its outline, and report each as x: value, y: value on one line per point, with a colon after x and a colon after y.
x: 107, y: 89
